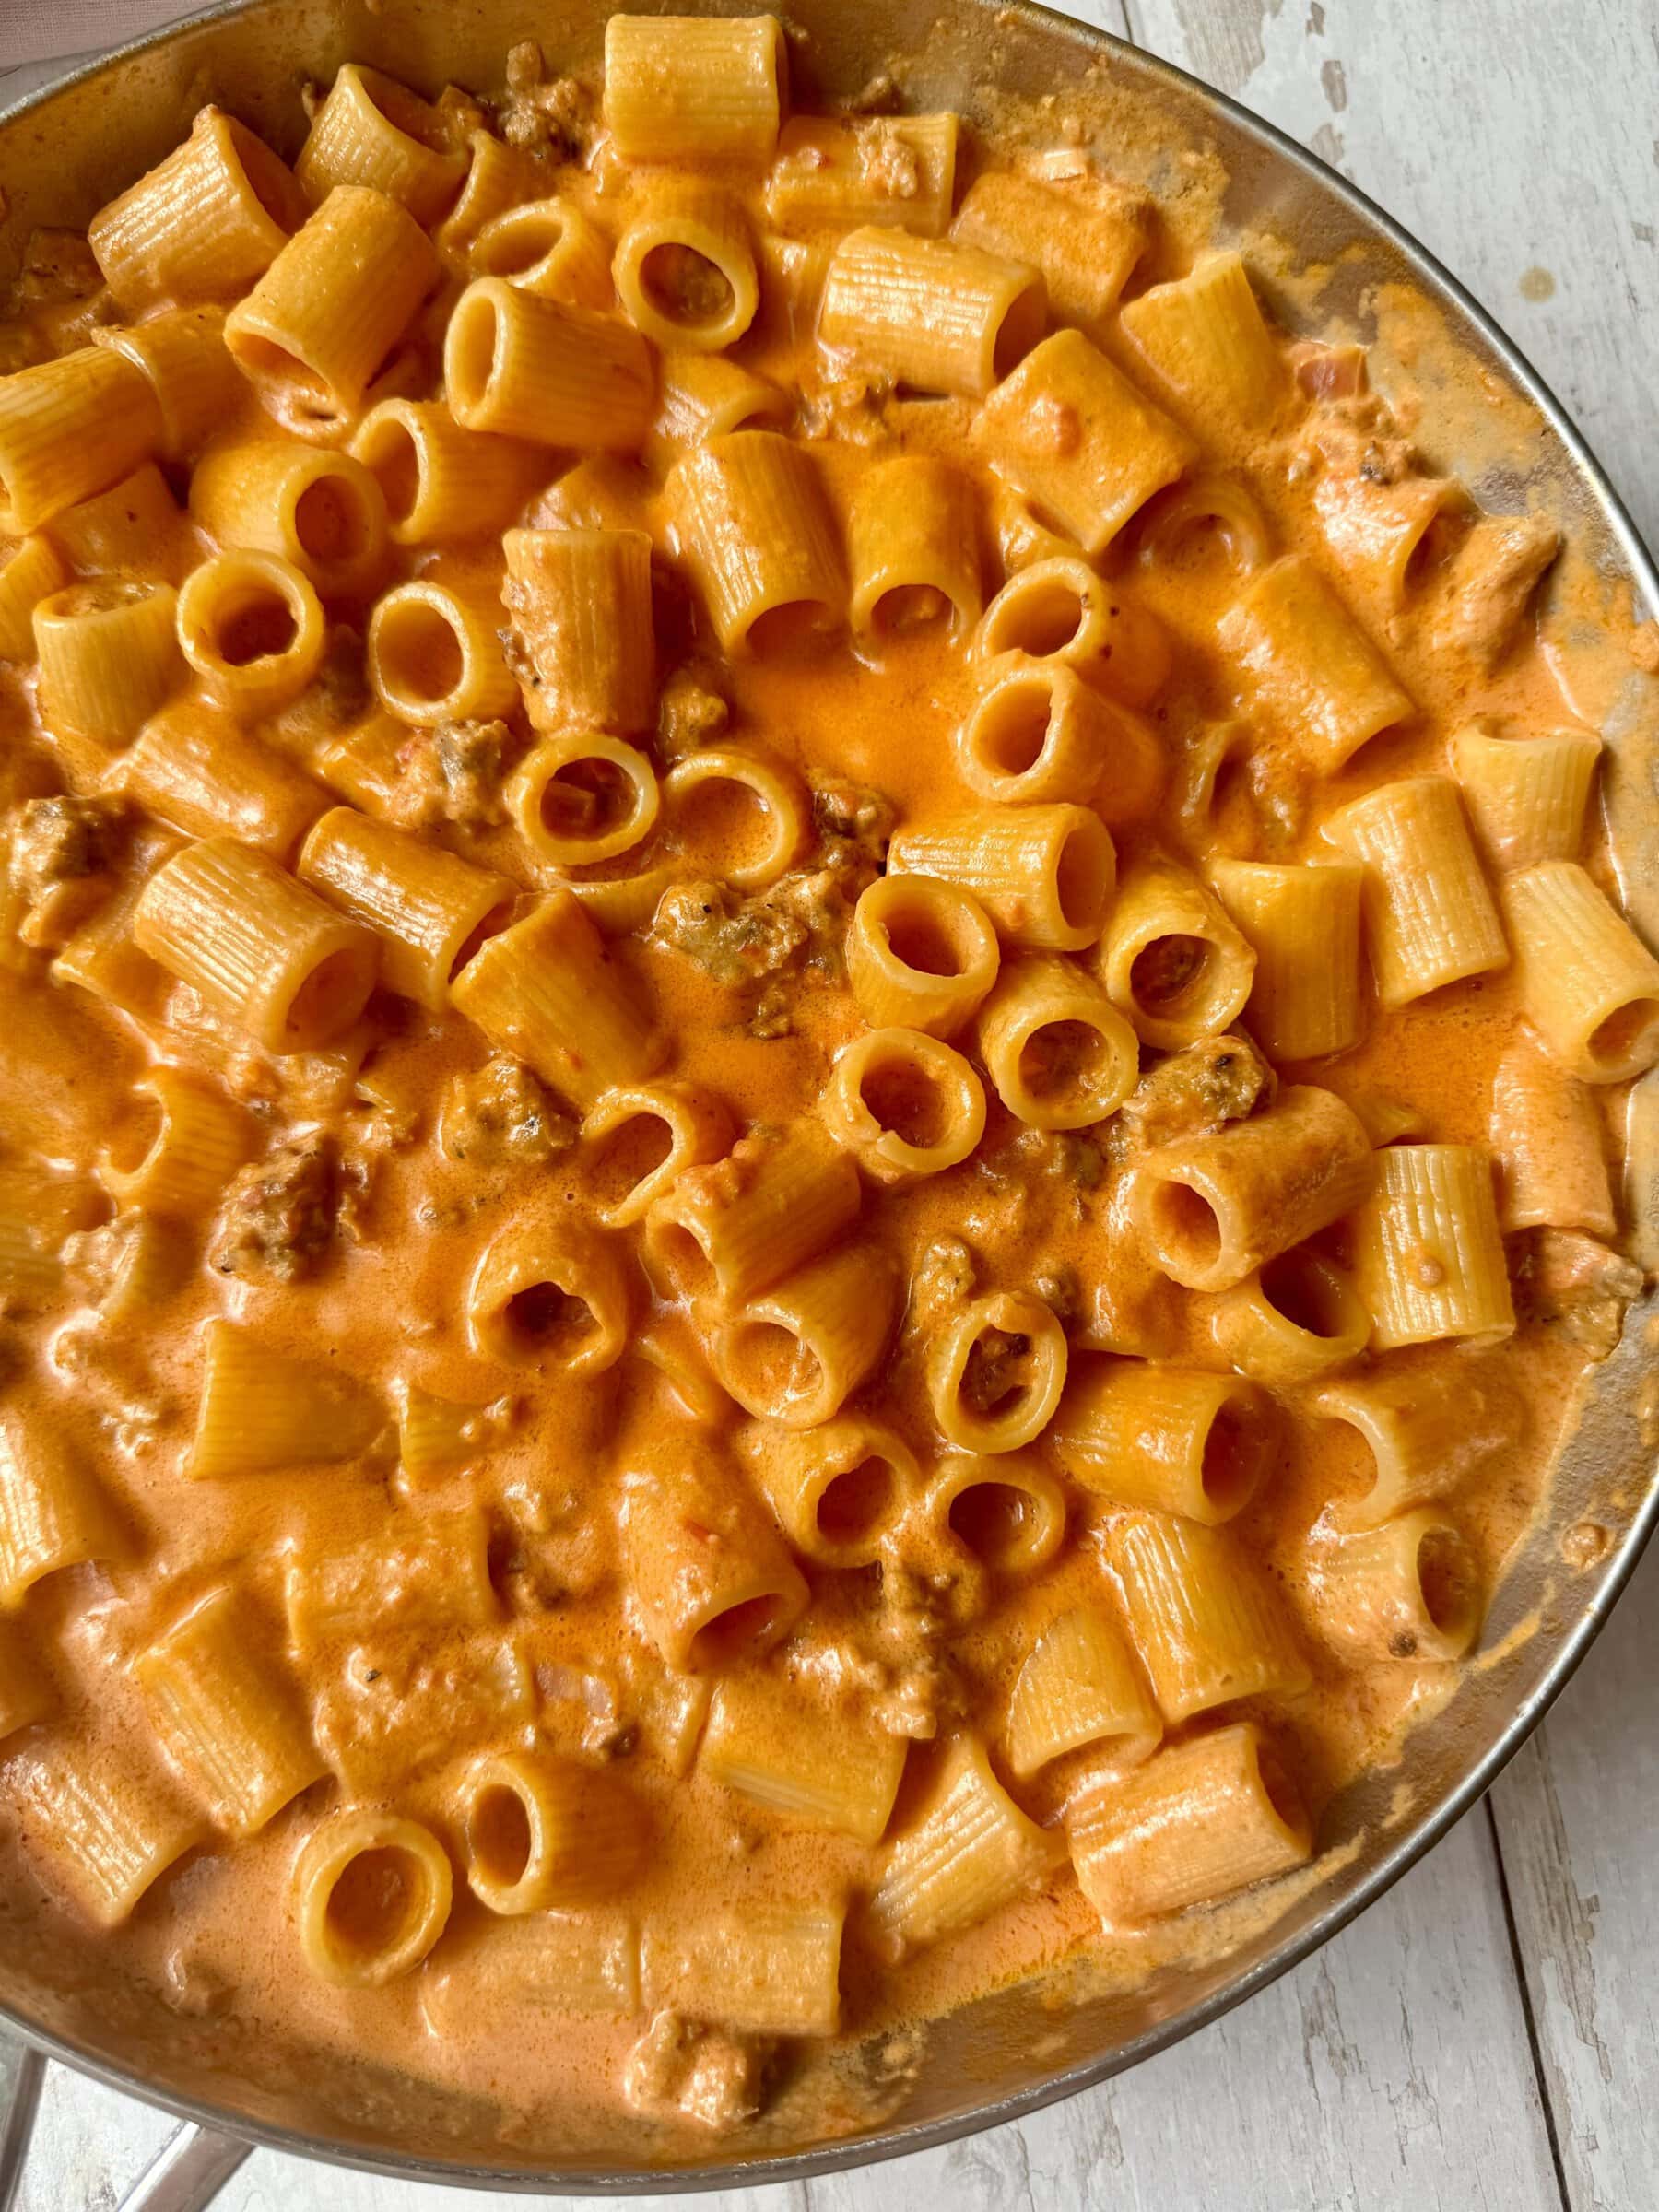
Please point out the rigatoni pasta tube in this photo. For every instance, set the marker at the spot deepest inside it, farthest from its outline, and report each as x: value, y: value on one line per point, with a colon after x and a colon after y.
x: 698, y: 793
x: 1086, y: 245
x: 685, y: 269
x: 704, y: 1561
x: 1203, y: 1819
x: 755, y: 530
x: 1213, y: 1207
x: 912, y: 548
x: 1409, y: 1589
x: 687, y: 89
x: 371, y: 129
x: 321, y: 510
x: 1526, y: 797
x: 225, y: 1717
x: 425, y: 1578
x: 548, y: 990
x: 260, y: 1409
x: 1045, y: 875
x: 736, y: 1226
x: 107, y: 1828
x: 1204, y: 339
x: 841, y: 1489
x: 836, y: 173
x: 109, y: 656
x: 904, y: 1104
x: 580, y: 602
x: 520, y: 366
x: 543, y: 1833
x: 1072, y: 433
x: 331, y: 307
x: 1170, y: 960
x: 551, y: 1294
x: 429, y: 911
x: 252, y: 627
x: 1546, y: 1139
x: 498, y: 177
x: 361, y: 1934
x: 795, y: 1353
x: 704, y: 395
x: 971, y: 1851
x: 1429, y: 918
x: 1208, y: 1626
x: 230, y: 921
x: 1428, y: 1255
x: 1315, y: 674
x: 1294, y: 1318
x: 438, y: 480
x: 771, y: 1969
x: 203, y: 225
x: 630, y: 1165
x: 920, y: 954
x: 1080, y: 1685
x: 134, y: 525
x: 929, y: 315
x: 435, y: 653
x: 191, y: 766
x: 1007, y: 1512
x: 1426, y: 1431
x: 1059, y: 608
x: 585, y: 1963
x: 548, y: 247
x: 1177, y: 1439
x: 994, y: 1373
x: 1038, y: 732
x: 54, y: 1511
x: 1588, y: 984
x: 578, y: 799
x: 183, y: 356
x: 824, y: 1769
x: 1059, y: 1053
x: 1303, y: 923
x: 31, y: 571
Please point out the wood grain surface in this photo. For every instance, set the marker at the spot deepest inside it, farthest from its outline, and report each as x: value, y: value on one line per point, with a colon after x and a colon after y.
x: 1485, y: 2039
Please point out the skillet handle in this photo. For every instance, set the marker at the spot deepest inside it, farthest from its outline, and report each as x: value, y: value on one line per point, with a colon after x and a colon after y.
x: 17, y: 2128
x: 187, y: 2173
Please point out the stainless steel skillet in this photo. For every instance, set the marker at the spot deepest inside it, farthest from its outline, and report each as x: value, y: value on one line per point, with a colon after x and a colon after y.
x: 1011, y: 2052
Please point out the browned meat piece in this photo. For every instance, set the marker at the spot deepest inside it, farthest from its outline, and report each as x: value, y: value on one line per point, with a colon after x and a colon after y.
x: 943, y: 1277
x: 691, y: 713
x: 853, y: 824
x: 1494, y: 576
x: 736, y: 940
x: 62, y: 851
x: 472, y: 759
x: 1195, y: 1090
x: 542, y: 115
x: 1561, y: 1275
x: 501, y: 1113
x: 686, y: 2069
x: 280, y: 1213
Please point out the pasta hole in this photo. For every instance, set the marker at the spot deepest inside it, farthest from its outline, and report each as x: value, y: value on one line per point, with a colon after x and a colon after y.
x: 394, y: 459
x: 478, y: 937
x: 420, y: 650
x: 1233, y: 1451
x: 906, y: 609
x: 1041, y: 620
x: 1184, y: 1225
x: 1446, y: 1580
x: 795, y: 627
x: 329, y: 522
x: 272, y: 181
x: 331, y: 996
x: 725, y: 823
x: 1279, y: 1789
x: 858, y: 1501
x: 904, y: 1100
x: 257, y: 627
x: 993, y: 1374
x: 1170, y: 973
x: 990, y: 1519
x: 512, y: 246
x: 268, y: 363
x: 1019, y: 331
x: 1080, y: 874
x: 586, y: 799
x: 498, y: 1835
x: 683, y: 1260
x: 1615, y: 1040
x: 1065, y: 1060
x: 137, y: 1137
x: 635, y: 1149
x: 771, y: 1364
x: 740, y: 1628
x: 1014, y: 725
x: 471, y: 347
x: 1305, y: 1292
x: 544, y: 1319
x: 918, y: 941
x: 405, y: 110
x: 684, y: 287
x: 375, y: 1902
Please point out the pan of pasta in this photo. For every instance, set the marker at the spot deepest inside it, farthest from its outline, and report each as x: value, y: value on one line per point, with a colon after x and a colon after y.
x: 827, y: 1163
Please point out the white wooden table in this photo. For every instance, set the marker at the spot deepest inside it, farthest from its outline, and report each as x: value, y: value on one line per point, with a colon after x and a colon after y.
x: 1485, y: 2039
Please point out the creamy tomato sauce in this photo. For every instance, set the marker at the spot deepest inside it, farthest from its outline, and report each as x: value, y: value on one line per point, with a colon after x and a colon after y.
x: 385, y: 1168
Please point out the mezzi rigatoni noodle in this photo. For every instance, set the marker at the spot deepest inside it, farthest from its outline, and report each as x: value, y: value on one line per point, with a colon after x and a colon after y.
x: 820, y: 1033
